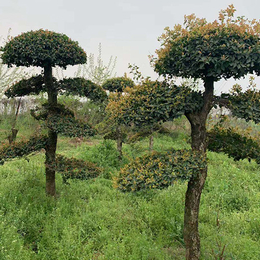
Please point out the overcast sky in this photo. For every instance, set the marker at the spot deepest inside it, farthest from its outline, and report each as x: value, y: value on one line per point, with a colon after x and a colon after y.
x: 127, y: 29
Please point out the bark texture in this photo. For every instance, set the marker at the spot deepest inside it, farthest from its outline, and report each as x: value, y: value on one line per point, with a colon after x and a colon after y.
x: 52, y: 136
x: 119, y: 143
x: 196, y: 183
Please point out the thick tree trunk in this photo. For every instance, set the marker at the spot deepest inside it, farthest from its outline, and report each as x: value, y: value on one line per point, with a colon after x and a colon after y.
x: 52, y: 136
x: 196, y: 183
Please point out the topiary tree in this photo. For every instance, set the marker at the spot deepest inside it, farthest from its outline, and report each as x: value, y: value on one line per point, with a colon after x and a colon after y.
x: 228, y: 47
x: 151, y: 103
x: 47, y: 49
x: 116, y: 86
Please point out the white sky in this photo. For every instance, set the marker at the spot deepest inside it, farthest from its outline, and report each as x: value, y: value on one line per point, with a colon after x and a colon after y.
x: 127, y: 29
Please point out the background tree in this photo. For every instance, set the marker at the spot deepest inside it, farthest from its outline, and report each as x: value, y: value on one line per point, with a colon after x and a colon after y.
x: 225, y: 48
x: 8, y: 76
x: 45, y: 49
x: 236, y: 142
x: 96, y: 71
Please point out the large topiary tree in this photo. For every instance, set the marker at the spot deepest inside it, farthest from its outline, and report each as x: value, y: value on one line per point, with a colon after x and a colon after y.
x: 228, y: 47
x: 47, y: 49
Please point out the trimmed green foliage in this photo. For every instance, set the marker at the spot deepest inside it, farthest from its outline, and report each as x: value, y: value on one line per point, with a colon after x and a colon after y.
x: 72, y: 168
x: 61, y: 120
x: 224, y: 48
x: 233, y: 144
x: 31, y: 86
x: 69, y: 126
x: 153, y: 102
x: 83, y: 88
x: 245, y: 104
x: 69, y: 86
x: 42, y: 48
x: 159, y: 170
x: 117, y: 84
x: 22, y: 148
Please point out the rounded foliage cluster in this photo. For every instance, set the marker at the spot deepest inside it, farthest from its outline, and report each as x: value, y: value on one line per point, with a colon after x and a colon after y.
x: 31, y: 86
x: 235, y: 145
x: 245, y: 104
x: 159, y: 170
x: 69, y: 86
x: 83, y: 88
x: 61, y: 120
x: 228, y: 47
x: 153, y: 102
x: 42, y: 48
x: 22, y: 148
x: 117, y: 84
x: 72, y: 168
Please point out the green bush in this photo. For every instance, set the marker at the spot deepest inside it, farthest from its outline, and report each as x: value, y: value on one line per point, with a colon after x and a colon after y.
x: 233, y: 144
x: 72, y: 168
x: 158, y: 170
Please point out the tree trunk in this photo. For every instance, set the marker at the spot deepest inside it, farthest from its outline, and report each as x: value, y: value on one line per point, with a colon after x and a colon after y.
x: 196, y: 183
x: 14, y: 131
x: 52, y: 136
x: 151, y: 143
x: 119, y: 143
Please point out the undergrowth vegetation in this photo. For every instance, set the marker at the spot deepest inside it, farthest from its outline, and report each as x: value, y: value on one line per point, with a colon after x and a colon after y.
x: 91, y: 220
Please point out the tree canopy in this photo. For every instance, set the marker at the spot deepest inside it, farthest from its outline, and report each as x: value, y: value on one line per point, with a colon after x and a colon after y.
x: 225, y: 48
x: 152, y: 102
x: 42, y: 48
x: 117, y: 84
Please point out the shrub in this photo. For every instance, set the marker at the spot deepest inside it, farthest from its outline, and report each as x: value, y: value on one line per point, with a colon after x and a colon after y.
x: 72, y: 168
x: 159, y: 170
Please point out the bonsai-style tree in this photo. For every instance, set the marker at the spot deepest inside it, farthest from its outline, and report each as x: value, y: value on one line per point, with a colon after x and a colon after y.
x: 47, y: 49
x: 228, y: 47
x: 151, y: 103
x: 116, y: 87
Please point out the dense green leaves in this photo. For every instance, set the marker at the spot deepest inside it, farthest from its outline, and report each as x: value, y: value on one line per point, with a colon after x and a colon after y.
x: 68, y: 86
x: 245, y: 104
x: 159, y: 170
x: 233, y: 144
x: 72, y: 168
x: 228, y: 47
x: 69, y: 126
x: 83, y: 88
x: 61, y: 120
x: 42, y: 48
x: 153, y: 102
x: 22, y: 148
x: 117, y: 84
x: 31, y: 86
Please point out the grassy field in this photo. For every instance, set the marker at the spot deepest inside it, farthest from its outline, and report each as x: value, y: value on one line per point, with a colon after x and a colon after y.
x: 92, y: 220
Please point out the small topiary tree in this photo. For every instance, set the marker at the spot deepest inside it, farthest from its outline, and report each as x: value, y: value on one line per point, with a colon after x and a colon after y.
x: 47, y: 49
x: 151, y: 103
x: 116, y: 87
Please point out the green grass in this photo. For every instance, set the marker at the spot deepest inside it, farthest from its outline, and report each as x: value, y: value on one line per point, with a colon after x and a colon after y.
x: 92, y: 220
